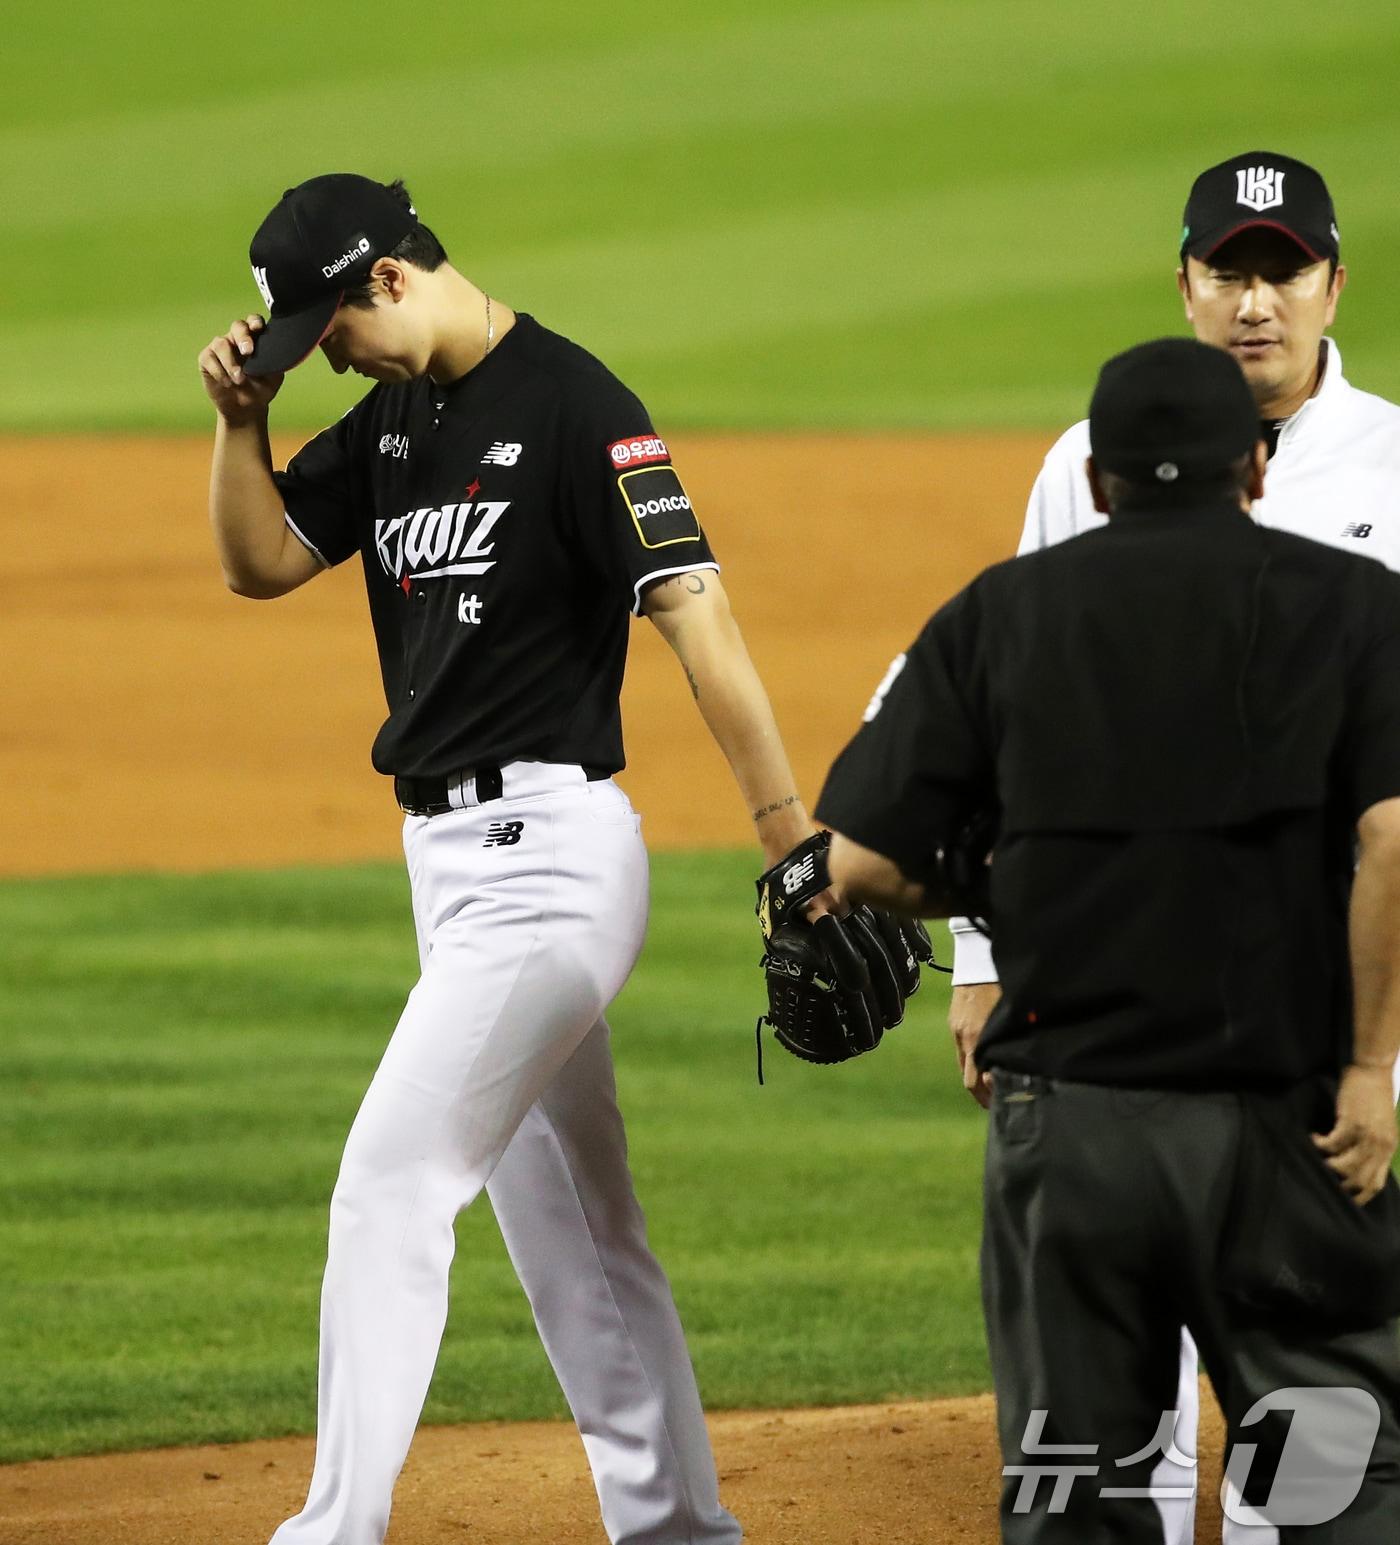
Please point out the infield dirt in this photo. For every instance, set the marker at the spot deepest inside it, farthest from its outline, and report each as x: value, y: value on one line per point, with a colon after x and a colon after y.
x: 150, y: 720
x: 922, y: 1473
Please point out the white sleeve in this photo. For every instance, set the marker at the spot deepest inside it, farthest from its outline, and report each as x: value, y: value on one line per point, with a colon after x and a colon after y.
x: 1060, y: 506
x: 972, y: 954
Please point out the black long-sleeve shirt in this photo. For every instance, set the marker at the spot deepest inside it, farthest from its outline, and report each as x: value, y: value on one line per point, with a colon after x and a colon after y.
x: 1181, y: 717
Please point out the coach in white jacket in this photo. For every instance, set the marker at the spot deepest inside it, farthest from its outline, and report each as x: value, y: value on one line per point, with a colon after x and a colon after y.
x: 1260, y: 277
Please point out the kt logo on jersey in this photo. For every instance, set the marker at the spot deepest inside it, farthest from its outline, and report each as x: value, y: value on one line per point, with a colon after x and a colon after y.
x: 430, y: 544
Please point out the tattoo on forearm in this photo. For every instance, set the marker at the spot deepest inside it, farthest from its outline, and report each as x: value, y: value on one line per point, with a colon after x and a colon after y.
x: 773, y: 809
x: 694, y: 685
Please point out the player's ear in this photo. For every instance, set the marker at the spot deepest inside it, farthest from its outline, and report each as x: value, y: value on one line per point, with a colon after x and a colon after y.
x: 1339, y: 280
x: 390, y: 274
x: 1183, y: 285
x: 1096, y: 487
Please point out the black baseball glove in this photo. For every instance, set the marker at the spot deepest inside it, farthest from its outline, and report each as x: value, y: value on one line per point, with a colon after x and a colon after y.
x: 837, y: 984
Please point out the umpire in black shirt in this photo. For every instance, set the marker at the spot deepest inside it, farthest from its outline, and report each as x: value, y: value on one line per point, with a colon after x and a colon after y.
x: 1187, y: 727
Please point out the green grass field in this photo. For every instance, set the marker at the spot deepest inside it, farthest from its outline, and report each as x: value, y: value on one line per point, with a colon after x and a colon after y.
x: 184, y: 1059
x: 895, y: 212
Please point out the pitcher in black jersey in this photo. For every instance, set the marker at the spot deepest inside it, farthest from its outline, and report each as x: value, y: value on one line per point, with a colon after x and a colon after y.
x: 510, y: 502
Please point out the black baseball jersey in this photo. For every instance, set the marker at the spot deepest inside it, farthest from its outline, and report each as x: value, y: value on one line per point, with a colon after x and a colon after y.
x: 507, y: 523
x: 1180, y: 716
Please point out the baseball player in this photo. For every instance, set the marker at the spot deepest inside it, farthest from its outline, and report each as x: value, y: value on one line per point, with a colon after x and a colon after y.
x: 1260, y: 276
x: 510, y: 502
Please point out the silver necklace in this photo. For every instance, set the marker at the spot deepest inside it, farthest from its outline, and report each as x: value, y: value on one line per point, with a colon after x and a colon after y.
x: 490, y: 326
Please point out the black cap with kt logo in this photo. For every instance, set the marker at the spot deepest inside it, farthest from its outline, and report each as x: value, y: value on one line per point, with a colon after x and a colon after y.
x: 323, y: 237
x: 1257, y: 189
x: 1171, y: 412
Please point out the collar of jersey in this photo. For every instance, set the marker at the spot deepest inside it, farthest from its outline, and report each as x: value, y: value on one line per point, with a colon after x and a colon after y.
x: 1333, y: 386
x: 484, y: 380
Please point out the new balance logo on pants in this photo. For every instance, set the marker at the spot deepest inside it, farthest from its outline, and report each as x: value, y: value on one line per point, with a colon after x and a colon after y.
x: 503, y: 834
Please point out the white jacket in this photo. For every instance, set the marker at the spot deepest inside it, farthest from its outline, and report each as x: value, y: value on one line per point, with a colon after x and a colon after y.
x: 1335, y: 477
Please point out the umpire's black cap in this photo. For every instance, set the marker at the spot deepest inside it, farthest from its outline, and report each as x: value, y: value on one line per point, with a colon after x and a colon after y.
x: 323, y: 237
x: 1171, y: 411
x: 1258, y: 189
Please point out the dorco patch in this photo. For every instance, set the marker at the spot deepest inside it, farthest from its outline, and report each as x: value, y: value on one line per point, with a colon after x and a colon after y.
x: 637, y: 453
x: 660, y: 507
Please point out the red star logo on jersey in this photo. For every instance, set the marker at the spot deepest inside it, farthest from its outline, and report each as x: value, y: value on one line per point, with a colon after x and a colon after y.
x: 473, y: 488
x: 406, y: 583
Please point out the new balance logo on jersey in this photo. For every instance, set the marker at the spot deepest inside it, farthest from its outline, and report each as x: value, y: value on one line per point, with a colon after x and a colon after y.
x: 800, y: 874
x: 503, y: 834
x: 1357, y: 529
x: 427, y: 544
x: 503, y: 453
x: 1260, y: 187
x: 394, y: 445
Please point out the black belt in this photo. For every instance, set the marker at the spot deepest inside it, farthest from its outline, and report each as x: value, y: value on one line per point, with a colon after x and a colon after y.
x: 428, y: 796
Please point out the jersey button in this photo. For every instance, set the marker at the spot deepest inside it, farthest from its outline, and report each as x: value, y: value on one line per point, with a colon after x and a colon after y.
x: 422, y: 596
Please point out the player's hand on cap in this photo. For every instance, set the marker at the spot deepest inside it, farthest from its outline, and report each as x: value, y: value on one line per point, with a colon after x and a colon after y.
x: 1361, y: 1144
x: 238, y: 397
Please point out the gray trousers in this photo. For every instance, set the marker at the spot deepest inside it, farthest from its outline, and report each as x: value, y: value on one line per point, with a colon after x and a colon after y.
x: 1104, y: 1213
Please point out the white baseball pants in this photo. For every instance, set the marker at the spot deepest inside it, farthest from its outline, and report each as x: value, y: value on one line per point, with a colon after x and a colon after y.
x: 530, y: 912
x: 1179, y: 1513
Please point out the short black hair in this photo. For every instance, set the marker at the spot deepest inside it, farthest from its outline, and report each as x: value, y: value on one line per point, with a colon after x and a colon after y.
x: 1230, y: 484
x: 420, y: 248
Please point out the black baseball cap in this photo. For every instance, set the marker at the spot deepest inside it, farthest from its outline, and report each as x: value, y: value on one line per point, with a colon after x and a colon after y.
x: 1171, y: 411
x: 323, y: 237
x: 1257, y: 189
